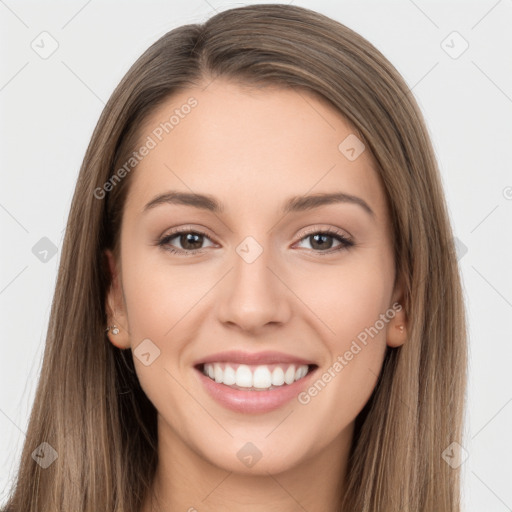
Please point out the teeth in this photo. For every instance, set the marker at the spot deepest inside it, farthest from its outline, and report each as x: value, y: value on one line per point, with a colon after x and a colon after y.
x: 258, y: 377
x: 278, y: 376
x: 229, y: 376
x: 301, y: 372
x: 262, y: 377
x: 289, y: 375
x: 217, y: 373
x: 243, y: 376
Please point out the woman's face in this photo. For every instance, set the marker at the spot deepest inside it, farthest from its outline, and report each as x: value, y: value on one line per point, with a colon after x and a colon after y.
x: 266, y: 280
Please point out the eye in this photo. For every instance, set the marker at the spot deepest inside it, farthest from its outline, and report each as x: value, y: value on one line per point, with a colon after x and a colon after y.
x: 321, y: 241
x: 190, y: 241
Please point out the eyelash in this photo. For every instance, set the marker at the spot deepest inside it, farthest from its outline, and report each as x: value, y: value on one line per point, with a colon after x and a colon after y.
x: 345, y: 242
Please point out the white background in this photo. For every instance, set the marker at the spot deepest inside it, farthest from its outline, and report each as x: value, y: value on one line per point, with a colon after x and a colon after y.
x: 49, y: 108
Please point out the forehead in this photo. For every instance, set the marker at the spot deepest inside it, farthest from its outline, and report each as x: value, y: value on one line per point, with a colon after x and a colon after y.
x: 241, y: 143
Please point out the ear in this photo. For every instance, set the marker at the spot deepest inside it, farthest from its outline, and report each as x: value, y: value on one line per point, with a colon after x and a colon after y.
x: 397, y: 327
x: 115, y: 307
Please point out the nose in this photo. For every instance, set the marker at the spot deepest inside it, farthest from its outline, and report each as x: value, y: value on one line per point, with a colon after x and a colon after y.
x: 254, y: 293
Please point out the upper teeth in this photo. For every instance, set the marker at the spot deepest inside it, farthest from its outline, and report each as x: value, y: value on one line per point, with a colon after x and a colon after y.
x: 261, y: 376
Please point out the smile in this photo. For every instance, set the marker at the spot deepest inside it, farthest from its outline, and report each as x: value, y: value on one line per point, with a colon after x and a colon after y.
x: 254, y: 389
x: 255, y: 377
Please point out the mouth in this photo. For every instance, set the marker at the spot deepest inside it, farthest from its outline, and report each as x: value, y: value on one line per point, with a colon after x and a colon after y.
x: 262, y: 377
x: 253, y: 383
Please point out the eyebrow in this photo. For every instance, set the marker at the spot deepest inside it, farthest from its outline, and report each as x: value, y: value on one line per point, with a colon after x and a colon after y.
x: 293, y: 204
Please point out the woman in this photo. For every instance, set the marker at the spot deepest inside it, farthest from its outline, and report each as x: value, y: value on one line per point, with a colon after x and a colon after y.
x: 258, y: 304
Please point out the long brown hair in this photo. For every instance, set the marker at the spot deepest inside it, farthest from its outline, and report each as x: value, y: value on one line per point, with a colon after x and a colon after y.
x: 89, y: 406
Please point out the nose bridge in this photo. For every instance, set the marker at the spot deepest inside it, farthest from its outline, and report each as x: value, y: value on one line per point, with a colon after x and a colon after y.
x: 255, y: 296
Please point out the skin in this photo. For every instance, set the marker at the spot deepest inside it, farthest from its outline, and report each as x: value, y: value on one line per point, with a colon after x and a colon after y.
x: 253, y: 149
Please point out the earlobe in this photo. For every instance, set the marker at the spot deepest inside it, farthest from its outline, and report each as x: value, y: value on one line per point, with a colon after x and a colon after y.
x: 116, y: 337
x: 398, y: 326
x: 396, y: 333
x: 116, y: 328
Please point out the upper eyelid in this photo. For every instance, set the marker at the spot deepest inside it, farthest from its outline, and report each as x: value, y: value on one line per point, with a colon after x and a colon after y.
x: 329, y: 230
x: 187, y: 229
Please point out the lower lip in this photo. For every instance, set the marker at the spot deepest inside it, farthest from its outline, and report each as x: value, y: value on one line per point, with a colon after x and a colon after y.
x: 253, y: 401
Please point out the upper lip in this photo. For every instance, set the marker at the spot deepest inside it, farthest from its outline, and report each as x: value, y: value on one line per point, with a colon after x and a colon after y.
x: 240, y: 357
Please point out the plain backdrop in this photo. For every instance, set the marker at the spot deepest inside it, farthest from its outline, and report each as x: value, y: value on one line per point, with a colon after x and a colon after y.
x: 456, y: 57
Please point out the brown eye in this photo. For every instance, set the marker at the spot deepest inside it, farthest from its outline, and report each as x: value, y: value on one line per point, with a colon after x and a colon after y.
x: 190, y: 242
x: 322, y: 241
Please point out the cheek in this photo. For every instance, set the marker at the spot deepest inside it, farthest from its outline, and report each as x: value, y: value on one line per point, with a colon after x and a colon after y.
x: 158, y: 295
x: 160, y: 304
x: 346, y: 299
x: 356, y: 352
x: 350, y: 304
